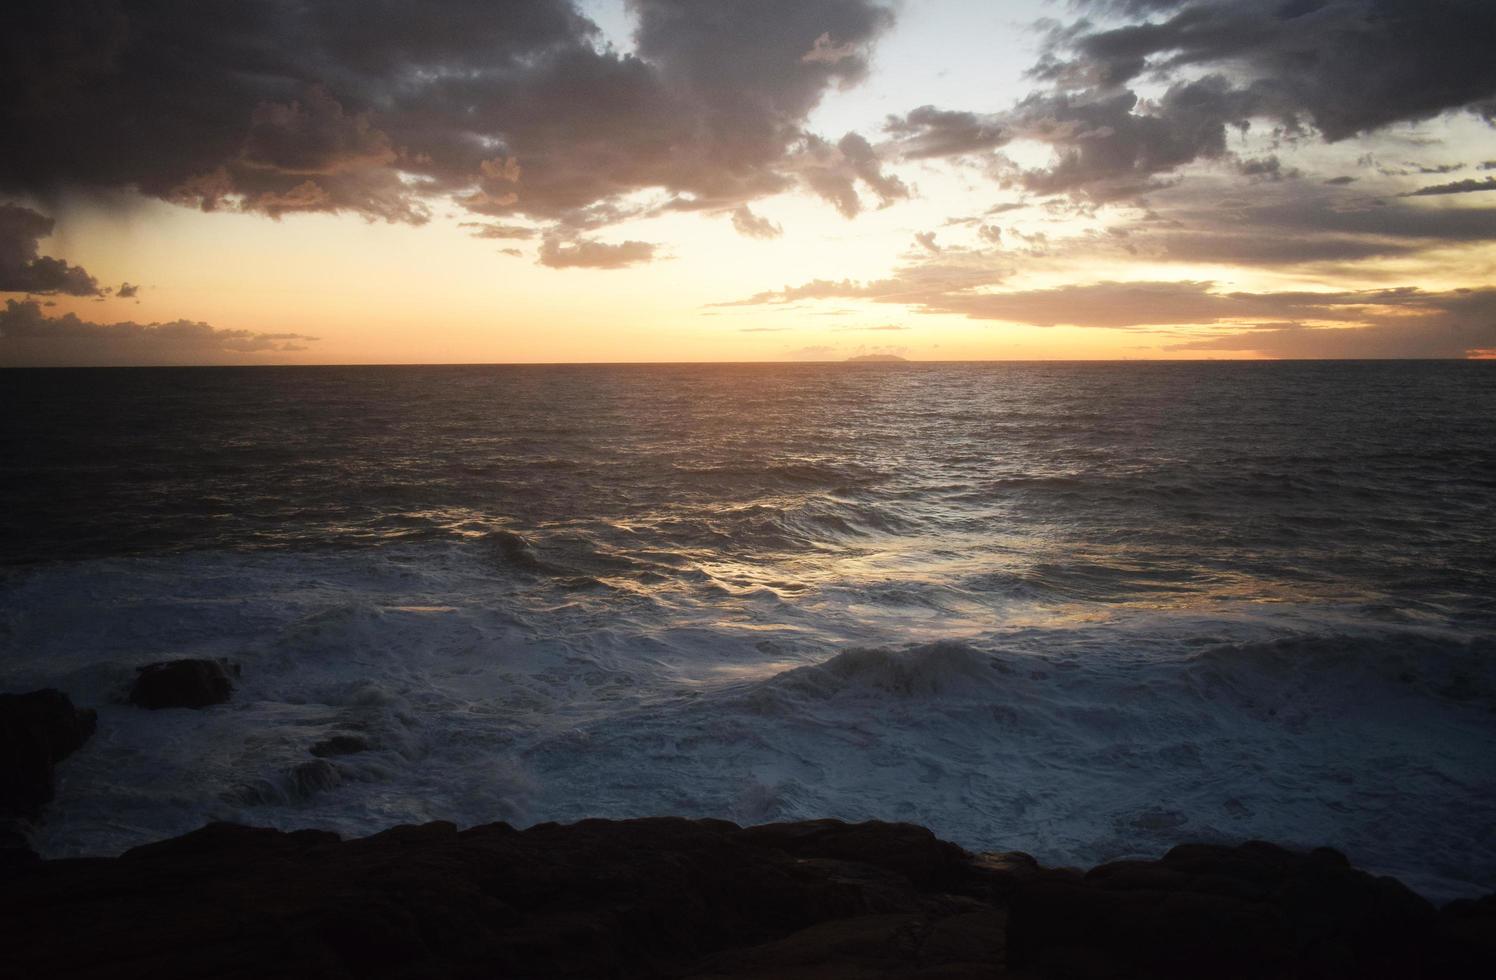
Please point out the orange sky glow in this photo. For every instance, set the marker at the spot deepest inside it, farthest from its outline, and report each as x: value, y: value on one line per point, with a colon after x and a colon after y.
x: 883, y: 204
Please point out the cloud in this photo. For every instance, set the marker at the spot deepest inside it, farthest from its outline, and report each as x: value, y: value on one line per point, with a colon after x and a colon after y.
x: 1265, y: 168
x: 829, y: 52
x: 750, y: 225
x: 492, y: 230
x: 28, y: 338
x: 127, y: 290
x: 586, y: 254
x: 1394, y: 323
x: 1337, y: 68
x: 833, y: 172
x: 929, y: 132
x: 377, y: 107
x: 23, y: 269
x: 1287, y: 224
x: 1401, y: 322
x: 1344, y: 66
x: 1111, y: 145
x: 1455, y: 187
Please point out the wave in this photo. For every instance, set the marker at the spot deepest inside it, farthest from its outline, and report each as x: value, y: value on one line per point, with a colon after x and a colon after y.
x: 482, y: 686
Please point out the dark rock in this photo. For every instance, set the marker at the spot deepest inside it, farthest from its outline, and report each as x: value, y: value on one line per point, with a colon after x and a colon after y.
x: 340, y: 745
x: 1251, y: 911
x: 37, y: 731
x: 704, y: 898
x: 184, y: 684
x: 663, y: 897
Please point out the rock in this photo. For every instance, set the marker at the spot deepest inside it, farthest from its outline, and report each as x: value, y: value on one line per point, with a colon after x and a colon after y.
x: 668, y: 897
x: 1256, y: 910
x: 37, y: 731
x: 339, y: 745
x: 660, y: 897
x: 184, y: 684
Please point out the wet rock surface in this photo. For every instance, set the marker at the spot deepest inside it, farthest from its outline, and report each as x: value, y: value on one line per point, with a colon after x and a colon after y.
x: 669, y: 897
x: 184, y: 684
x: 37, y: 731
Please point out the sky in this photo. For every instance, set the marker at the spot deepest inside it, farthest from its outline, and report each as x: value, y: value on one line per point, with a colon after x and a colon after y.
x: 442, y: 181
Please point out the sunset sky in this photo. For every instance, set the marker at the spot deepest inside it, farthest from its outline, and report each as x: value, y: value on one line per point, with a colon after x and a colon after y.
x: 371, y: 181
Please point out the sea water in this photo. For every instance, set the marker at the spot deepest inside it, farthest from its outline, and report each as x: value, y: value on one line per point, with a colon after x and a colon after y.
x: 1083, y: 610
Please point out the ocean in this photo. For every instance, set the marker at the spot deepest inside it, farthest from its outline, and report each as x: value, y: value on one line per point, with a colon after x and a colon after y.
x: 1082, y: 610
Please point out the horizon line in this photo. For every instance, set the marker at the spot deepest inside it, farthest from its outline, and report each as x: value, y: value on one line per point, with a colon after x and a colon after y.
x: 855, y: 362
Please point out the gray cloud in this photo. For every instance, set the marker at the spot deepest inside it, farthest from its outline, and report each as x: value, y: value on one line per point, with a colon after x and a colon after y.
x: 1111, y: 146
x: 750, y: 225
x: 1456, y: 187
x: 28, y: 338
x: 23, y: 269
x: 1399, y: 323
x: 930, y: 132
x: 834, y: 171
x: 1344, y: 66
x: 375, y: 106
x: 585, y: 254
x: 127, y: 290
x: 1287, y: 223
x: 1340, y: 67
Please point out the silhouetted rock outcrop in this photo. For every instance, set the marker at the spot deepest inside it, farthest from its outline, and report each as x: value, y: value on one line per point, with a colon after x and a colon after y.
x: 681, y: 898
x: 37, y: 731
x: 184, y: 684
x: 1256, y: 910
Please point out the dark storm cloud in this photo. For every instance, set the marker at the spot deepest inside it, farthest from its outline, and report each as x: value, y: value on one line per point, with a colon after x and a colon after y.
x: 23, y: 269
x: 1344, y: 66
x: 373, y: 106
x: 28, y: 338
x: 585, y: 254
x: 1339, y: 68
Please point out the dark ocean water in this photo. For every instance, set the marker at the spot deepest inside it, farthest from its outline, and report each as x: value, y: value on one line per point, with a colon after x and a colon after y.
x: 1085, y: 610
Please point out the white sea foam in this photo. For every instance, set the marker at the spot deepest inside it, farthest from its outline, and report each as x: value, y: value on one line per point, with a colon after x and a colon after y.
x: 1079, y: 732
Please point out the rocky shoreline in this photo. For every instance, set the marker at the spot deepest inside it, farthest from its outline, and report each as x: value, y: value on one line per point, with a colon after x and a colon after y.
x: 669, y: 897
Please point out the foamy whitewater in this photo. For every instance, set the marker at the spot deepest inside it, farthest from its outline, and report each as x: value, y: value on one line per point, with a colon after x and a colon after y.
x: 1086, y: 611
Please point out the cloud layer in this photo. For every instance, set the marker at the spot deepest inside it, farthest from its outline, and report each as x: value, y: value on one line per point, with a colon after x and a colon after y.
x: 23, y: 269
x: 377, y: 107
x: 29, y: 338
x: 1331, y: 68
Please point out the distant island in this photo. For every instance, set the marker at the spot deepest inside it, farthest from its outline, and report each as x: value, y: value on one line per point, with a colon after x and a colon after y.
x: 878, y: 358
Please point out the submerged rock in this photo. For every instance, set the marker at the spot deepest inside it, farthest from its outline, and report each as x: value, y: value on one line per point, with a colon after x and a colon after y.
x: 669, y: 897
x: 37, y: 731
x: 184, y: 684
